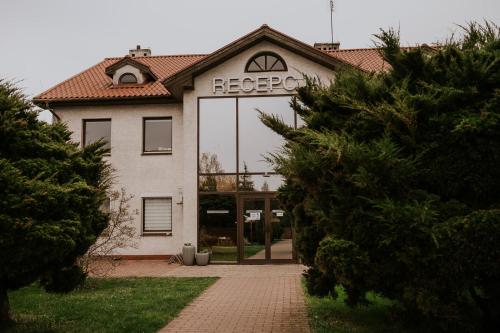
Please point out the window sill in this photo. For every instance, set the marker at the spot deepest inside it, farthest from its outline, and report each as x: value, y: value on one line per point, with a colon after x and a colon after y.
x: 157, y: 153
x: 157, y: 233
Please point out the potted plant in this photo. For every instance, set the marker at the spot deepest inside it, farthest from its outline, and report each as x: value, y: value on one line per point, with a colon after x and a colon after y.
x: 188, y: 251
x: 202, y: 257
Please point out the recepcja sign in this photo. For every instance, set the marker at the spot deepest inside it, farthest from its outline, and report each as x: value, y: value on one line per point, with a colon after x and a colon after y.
x: 257, y: 84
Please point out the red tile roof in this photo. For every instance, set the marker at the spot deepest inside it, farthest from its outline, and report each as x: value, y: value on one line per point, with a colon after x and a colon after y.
x: 368, y: 60
x: 93, y: 83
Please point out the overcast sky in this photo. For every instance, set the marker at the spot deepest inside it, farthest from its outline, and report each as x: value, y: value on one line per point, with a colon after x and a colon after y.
x: 45, y: 42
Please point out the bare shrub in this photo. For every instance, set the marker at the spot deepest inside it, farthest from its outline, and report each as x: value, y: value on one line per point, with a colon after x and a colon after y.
x: 100, y: 259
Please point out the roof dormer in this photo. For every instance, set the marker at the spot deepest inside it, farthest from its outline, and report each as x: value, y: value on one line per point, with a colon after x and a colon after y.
x: 128, y: 71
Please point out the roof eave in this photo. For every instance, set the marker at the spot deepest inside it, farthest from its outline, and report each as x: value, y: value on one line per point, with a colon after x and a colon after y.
x: 48, y: 103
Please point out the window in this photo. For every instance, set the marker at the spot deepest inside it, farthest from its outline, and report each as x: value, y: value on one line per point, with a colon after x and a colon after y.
x: 96, y: 129
x: 265, y: 62
x: 127, y: 78
x: 106, y: 206
x: 157, y: 135
x: 157, y: 214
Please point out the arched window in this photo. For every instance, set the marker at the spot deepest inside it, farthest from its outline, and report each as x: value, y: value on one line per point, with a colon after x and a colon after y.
x: 265, y: 62
x: 127, y: 78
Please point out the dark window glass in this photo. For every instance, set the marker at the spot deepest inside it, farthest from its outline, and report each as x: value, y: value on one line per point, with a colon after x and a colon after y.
x: 97, y: 129
x: 266, y: 62
x: 128, y: 78
x: 217, y: 218
x: 158, y: 135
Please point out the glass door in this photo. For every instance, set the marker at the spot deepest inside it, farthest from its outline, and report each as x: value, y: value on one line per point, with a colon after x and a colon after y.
x: 266, y: 233
x: 281, y: 232
x: 254, y: 227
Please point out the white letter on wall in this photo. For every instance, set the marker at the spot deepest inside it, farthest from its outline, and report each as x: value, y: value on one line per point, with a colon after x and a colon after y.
x: 289, y: 86
x: 217, y: 85
x: 262, y: 83
x: 274, y: 81
x: 233, y: 85
x: 249, y: 87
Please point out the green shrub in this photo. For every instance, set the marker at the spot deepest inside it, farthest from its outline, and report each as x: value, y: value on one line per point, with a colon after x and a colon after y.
x: 394, y: 180
x: 50, y: 199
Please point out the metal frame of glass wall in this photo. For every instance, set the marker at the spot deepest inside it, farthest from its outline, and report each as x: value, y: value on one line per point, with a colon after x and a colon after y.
x: 238, y: 193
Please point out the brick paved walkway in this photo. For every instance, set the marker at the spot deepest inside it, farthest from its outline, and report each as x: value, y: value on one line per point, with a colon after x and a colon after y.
x: 246, y: 298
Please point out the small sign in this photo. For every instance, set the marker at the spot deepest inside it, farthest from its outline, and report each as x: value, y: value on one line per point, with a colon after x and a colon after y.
x: 254, y: 216
x: 217, y: 211
x: 278, y: 212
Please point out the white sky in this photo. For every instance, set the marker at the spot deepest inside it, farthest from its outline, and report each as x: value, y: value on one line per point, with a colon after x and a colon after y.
x: 45, y: 42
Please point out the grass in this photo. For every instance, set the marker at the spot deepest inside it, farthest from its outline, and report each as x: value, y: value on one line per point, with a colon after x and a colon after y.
x: 105, y: 305
x: 328, y: 315
x: 229, y: 253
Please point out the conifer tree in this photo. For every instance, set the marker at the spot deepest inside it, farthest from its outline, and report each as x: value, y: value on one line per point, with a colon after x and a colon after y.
x: 50, y: 199
x: 394, y: 180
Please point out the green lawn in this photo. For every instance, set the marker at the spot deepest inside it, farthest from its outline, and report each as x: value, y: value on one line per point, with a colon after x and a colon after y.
x: 229, y: 253
x: 105, y: 305
x: 327, y: 315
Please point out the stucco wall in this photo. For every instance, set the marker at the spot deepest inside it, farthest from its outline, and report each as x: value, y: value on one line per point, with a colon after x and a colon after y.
x: 151, y: 175
x: 165, y: 174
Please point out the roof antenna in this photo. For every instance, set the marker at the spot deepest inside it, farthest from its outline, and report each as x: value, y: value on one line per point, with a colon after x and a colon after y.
x: 332, y: 7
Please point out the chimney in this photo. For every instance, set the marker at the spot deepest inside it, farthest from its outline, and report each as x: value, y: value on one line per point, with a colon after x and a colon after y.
x: 139, y: 52
x: 327, y: 46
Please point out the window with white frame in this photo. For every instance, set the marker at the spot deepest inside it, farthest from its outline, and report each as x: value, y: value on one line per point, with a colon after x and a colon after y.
x: 157, y: 215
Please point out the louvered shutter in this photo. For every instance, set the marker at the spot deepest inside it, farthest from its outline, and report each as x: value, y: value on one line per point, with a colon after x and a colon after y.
x: 158, y: 214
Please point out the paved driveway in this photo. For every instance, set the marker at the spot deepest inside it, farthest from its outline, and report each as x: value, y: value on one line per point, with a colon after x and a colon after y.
x: 246, y: 298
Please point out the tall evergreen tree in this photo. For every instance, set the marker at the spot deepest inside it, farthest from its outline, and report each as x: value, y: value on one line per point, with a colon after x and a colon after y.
x: 394, y: 180
x: 50, y: 199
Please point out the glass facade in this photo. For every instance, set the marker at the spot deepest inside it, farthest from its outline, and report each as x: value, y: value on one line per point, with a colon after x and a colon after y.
x: 233, y: 145
x: 233, y: 140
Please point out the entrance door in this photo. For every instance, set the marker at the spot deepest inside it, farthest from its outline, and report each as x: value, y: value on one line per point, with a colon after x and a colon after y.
x: 265, y: 230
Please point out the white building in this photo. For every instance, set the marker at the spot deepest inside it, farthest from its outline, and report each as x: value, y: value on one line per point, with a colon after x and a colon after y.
x: 186, y: 140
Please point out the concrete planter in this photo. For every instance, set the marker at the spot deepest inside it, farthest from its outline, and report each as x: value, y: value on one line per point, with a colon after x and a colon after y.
x: 188, y: 251
x: 202, y: 258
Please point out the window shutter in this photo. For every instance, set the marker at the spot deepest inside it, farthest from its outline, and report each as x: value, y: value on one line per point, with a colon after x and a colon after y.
x: 158, y: 214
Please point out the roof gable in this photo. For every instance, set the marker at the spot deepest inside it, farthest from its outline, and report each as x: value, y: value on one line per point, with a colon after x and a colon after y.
x: 111, y: 69
x: 184, y: 79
